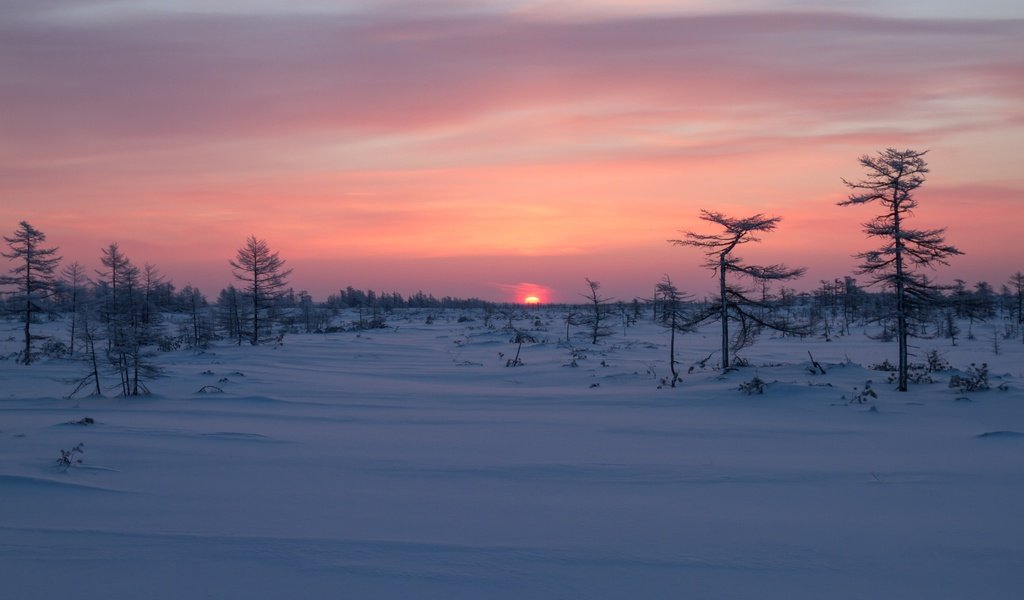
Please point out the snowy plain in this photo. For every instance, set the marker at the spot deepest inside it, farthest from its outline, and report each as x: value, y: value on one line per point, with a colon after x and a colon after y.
x: 410, y: 462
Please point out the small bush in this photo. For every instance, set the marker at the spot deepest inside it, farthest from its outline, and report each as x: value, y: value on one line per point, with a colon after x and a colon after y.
x: 54, y: 349
x: 67, y: 457
x: 917, y: 373
x: 974, y: 380
x: 937, y: 363
x: 170, y: 343
x: 861, y: 396
x: 754, y: 386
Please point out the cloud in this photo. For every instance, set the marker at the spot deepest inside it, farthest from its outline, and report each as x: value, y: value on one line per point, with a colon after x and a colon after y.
x: 176, y: 79
x: 511, y: 130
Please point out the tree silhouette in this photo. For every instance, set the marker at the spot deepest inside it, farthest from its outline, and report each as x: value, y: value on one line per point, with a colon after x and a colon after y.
x: 600, y: 312
x: 32, y: 275
x: 891, y: 179
x: 673, y: 316
x: 72, y: 283
x: 1017, y: 281
x: 264, y: 277
x: 734, y: 300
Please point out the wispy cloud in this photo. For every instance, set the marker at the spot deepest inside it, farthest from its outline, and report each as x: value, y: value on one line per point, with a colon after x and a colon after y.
x: 518, y: 128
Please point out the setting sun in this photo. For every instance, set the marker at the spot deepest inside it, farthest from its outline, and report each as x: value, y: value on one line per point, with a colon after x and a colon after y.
x: 531, y: 300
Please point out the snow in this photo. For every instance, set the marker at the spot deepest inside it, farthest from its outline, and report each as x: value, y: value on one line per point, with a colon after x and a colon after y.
x: 410, y: 462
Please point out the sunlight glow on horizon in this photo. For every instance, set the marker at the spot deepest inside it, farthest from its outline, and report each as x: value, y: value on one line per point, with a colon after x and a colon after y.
x: 467, y: 152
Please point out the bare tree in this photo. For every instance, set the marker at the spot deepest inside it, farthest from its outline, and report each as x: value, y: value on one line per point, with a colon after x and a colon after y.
x: 119, y: 269
x: 891, y: 180
x: 1017, y: 283
x: 264, y: 276
x: 734, y: 301
x: 229, y: 313
x: 152, y: 280
x: 89, y: 334
x: 72, y: 281
x: 600, y: 312
x: 672, y: 316
x: 32, y: 275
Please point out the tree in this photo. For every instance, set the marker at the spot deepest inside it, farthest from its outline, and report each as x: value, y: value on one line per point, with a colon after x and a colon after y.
x: 152, y: 281
x: 124, y: 292
x: 89, y: 334
x: 72, y: 282
x: 891, y: 180
x: 32, y: 275
x: 229, y: 313
x: 673, y: 317
x: 734, y: 301
x: 199, y: 330
x: 1017, y: 286
x: 600, y: 312
x: 119, y: 271
x: 264, y: 276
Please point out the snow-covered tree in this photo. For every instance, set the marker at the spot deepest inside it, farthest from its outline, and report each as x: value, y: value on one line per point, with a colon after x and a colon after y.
x: 32, y: 275
x: 892, y: 177
x: 264, y: 275
x: 734, y: 302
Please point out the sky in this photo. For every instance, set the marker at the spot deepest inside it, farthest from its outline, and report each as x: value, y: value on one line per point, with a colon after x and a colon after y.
x: 503, y: 148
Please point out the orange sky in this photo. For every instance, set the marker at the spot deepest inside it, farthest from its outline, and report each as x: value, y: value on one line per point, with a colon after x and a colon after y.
x: 501, y: 148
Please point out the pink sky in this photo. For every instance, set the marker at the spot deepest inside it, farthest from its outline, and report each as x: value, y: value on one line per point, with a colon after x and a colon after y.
x: 501, y: 148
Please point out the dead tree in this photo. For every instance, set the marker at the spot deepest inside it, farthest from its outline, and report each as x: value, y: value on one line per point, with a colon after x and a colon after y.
x: 735, y: 301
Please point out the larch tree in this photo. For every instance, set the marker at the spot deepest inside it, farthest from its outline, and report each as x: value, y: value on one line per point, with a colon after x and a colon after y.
x: 734, y: 302
x: 672, y: 315
x: 32, y: 275
x: 600, y: 311
x: 1017, y: 286
x: 115, y: 280
x: 73, y: 280
x: 892, y: 176
x: 264, y: 276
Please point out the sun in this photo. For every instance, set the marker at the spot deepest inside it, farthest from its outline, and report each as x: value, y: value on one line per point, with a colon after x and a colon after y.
x: 531, y: 300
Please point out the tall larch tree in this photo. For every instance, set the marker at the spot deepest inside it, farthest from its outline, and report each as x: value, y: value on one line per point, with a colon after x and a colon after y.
x: 264, y: 276
x: 32, y: 275
x: 73, y: 280
x: 892, y: 176
x: 735, y: 301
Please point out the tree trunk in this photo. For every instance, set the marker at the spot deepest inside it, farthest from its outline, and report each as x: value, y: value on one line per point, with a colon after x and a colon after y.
x: 901, y: 301
x: 672, y: 348
x: 28, y: 313
x: 255, y: 309
x: 74, y: 321
x: 725, y: 311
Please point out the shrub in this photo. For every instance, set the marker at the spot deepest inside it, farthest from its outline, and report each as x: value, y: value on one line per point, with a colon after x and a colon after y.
x: 67, y: 457
x: 754, y: 386
x: 861, y: 396
x: 974, y: 380
x: 937, y: 363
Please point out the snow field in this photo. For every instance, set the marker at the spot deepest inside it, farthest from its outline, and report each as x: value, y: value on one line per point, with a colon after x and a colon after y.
x: 410, y: 462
